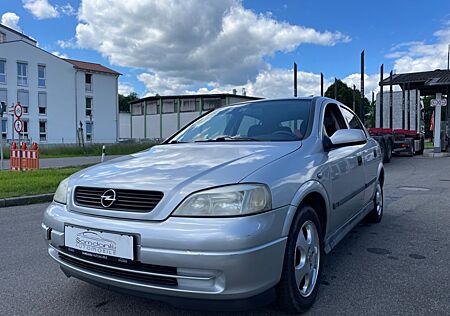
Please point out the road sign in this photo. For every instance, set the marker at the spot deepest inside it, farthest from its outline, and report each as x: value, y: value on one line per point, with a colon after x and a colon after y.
x: 438, y: 102
x: 18, y: 125
x: 18, y: 110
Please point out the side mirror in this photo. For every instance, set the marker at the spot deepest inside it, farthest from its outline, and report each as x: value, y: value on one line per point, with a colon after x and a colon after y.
x: 346, y: 137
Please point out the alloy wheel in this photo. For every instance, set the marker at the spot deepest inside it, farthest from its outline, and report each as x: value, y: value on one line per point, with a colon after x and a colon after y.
x: 307, y: 258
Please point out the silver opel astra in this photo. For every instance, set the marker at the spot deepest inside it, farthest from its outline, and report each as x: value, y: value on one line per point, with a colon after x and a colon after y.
x: 238, y: 207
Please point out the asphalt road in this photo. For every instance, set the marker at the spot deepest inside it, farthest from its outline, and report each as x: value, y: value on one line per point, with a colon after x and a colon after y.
x: 398, y: 267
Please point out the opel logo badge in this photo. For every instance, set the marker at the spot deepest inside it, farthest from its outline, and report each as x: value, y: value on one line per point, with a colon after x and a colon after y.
x: 108, y: 198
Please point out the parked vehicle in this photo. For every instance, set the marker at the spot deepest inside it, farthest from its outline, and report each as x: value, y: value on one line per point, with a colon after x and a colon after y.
x: 398, y: 141
x: 238, y: 207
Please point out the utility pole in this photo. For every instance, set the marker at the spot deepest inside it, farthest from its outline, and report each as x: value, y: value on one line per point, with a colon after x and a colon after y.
x: 381, y: 95
x: 321, y: 84
x: 354, y: 99
x: 391, y: 102
x: 448, y: 57
x: 335, y: 88
x: 295, y: 79
x: 361, y: 105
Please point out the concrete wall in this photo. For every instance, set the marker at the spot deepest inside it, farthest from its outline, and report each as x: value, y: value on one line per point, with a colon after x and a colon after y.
x: 153, y: 126
x: 187, y: 117
x: 65, y: 90
x: 137, y: 124
x: 125, y: 125
x: 397, y: 109
x: 170, y: 124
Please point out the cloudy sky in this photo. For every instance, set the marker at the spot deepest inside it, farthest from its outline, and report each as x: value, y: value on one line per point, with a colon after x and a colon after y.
x: 190, y: 46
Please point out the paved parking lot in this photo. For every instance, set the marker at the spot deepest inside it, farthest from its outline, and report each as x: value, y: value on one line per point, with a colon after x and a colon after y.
x: 398, y: 267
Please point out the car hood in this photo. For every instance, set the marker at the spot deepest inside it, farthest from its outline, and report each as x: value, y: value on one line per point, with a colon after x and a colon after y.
x: 178, y: 170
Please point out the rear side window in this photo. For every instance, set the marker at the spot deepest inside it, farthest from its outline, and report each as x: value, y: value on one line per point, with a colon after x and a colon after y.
x: 333, y: 120
x: 352, y: 120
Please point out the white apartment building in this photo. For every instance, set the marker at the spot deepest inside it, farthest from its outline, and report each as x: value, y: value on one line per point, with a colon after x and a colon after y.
x: 56, y: 94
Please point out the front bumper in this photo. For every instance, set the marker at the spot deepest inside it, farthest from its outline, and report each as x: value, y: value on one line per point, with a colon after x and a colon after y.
x: 212, y: 259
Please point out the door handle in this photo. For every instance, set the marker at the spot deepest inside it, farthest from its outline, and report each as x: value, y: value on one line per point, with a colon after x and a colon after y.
x: 359, y: 160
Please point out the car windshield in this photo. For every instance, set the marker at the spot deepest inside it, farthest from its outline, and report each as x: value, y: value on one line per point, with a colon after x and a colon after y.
x: 284, y: 120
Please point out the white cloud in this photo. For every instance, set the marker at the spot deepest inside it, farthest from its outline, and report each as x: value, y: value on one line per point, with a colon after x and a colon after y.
x: 224, y: 43
x: 162, y: 85
x: 278, y: 83
x: 419, y: 56
x: 271, y: 83
x: 40, y: 9
x: 66, y: 44
x: 60, y: 55
x: 10, y: 19
x: 67, y: 9
x: 370, y: 83
x: 125, y: 88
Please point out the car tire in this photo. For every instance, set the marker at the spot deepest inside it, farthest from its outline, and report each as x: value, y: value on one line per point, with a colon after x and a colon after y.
x: 412, y: 150
x: 422, y: 146
x: 303, y: 262
x: 376, y: 214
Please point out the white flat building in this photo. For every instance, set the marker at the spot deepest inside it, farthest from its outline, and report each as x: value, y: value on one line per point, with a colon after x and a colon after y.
x: 57, y: 95
x: 158, y: 117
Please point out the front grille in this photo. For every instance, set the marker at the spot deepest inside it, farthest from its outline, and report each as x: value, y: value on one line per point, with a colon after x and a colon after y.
x: 126, y: 200
x: 129, y: 274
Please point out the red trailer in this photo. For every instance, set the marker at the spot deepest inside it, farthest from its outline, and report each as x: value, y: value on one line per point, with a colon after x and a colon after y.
x: 398, y: 141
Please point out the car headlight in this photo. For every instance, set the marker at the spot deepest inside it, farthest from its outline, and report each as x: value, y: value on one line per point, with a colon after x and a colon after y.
x: 61, y: 192
x: 232, y: 200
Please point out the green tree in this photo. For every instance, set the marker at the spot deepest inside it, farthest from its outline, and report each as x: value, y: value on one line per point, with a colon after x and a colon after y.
x: 124, y: 101
x: 345, y: 95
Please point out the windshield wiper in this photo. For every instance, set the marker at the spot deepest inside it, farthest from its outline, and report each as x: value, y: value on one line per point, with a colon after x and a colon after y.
x: 228, y: 138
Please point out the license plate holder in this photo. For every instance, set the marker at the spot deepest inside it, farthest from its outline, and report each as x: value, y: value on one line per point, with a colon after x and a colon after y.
x: 99, y: 243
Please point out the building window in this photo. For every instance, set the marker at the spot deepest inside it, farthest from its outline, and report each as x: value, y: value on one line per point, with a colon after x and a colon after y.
x: 137, y: 109
x: 209, y: 104
x: 4, y: 96
x: 168, y: 106
x: 2, y: 71
x: 152, y: 107
x: 22, y: 74
x: 89, y: 107
x: 42, y: 103
x: 25, y: 131
x: 88, y: 82
x: 23, y: 99
x: 189, y: 105
x: 43, y: 130
x: 41, y: 76
x: 2, y: 37
x: 89, y: 126
x: 4, y: 128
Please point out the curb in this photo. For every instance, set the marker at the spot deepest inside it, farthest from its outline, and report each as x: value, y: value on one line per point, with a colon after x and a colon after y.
x: 25, y: 200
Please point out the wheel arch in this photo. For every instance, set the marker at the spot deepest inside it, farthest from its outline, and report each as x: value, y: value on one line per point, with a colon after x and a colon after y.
x: 314, y: 194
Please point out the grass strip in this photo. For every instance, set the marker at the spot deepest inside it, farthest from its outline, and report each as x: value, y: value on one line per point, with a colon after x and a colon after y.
x: 22, y: 183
